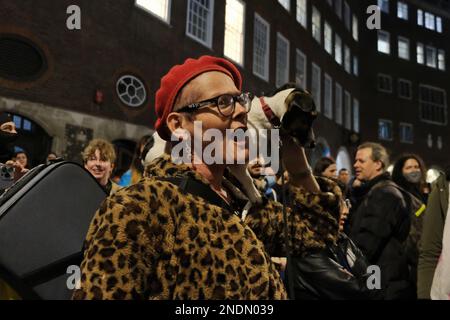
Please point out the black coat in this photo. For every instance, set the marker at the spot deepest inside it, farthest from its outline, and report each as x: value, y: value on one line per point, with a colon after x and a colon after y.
x: 380, y: 226
x: 336, y: 273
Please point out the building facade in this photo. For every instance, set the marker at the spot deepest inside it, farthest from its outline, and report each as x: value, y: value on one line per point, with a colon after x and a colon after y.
x: 404, y: 79
x: 99, y: 81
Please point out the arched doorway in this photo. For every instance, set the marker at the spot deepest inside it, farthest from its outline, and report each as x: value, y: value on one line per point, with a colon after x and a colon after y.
x: 343, y: 160
x: 32, y: 139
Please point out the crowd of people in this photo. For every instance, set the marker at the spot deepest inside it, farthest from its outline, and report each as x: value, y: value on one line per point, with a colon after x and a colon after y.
x: 177, y: 231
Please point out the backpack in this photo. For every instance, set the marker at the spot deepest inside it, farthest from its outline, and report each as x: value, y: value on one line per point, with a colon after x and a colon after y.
x: 44, y: 219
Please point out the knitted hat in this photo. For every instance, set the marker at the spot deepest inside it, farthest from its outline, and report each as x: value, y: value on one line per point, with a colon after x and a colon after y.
x: 174, y: 81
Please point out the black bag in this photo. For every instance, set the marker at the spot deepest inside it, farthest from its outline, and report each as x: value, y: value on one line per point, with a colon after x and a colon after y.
x: 44, y: 219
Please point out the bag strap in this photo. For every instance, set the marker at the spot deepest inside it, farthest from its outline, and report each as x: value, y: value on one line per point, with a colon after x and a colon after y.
x: 189, y: 185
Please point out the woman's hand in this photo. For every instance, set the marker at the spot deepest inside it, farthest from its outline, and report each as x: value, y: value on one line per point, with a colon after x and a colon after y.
x: 295, y: 162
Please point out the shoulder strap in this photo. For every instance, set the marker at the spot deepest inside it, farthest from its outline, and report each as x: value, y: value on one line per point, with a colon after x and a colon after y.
x: 189, y: 185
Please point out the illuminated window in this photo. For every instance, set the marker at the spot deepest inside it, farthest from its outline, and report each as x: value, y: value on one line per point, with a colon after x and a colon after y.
x: 234, y: 31
x: 338, y: 49
x: 384, y: 44
x: 402, y: 10
x: 160, y: 8
x: 302, y: 16
x: 420, y: 53
x: 316, y: 26
x: 403, y: 48
x: 286, y: 4
x: 328, y: 38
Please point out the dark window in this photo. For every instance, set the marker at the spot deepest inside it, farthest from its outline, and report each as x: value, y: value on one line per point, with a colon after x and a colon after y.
x: 404, y: 89
x: 384, y: 83
x: 20, y: 59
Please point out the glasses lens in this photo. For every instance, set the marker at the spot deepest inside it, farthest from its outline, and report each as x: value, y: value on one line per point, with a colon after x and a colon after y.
x: 225, y: 104
x: 245, y: 100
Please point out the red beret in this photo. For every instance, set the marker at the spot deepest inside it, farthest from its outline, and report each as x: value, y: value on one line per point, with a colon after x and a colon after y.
x: 178, y: 77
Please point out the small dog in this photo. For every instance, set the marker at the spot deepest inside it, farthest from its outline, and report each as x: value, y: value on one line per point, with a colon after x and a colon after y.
x: 290, y: 109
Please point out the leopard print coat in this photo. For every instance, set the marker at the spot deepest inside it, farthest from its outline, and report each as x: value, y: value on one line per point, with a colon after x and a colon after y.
x: 151, y: 241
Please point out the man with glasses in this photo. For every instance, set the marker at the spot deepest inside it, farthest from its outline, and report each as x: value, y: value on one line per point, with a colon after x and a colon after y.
x: 164, y: 239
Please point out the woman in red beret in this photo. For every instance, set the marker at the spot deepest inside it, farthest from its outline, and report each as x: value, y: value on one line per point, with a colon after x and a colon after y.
x: 160, y: 239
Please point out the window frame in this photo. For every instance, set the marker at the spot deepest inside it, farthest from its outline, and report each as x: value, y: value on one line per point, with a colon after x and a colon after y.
x: 210, y: 26
x: 328, y: 107
x: 385, y: 33
x: 318, y: 93
x: 267, y: 57
x: 391, y: 131
x: 400, y: 80
x: 298, y: 53
x: 348, y: 116
x: 444, y: 107
x: 401, y: 138
x: 284, y: 39
x: 405, y: 40
x: 314, y: 27
x: 378, y: 83
x: 302, y: 16
x: 400, y: 10
x: 338, y: 114
x: 242, y: 58
x: 325, y: 42
x: 356, y: 115
x: 169, y: 11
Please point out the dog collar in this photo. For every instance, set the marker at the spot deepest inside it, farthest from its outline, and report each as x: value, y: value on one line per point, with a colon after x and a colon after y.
x: 273, y: 119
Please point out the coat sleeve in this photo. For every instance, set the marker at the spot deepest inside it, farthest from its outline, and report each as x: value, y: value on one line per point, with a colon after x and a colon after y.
x: 430, y: 243
x: 381, y: 216
x: 317, y: 274
x: 312, y: 220
x: 121, y: 248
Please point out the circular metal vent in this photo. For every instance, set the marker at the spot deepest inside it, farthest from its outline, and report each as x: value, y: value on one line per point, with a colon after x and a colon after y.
x: 131, y: 91
x: 20, y: 59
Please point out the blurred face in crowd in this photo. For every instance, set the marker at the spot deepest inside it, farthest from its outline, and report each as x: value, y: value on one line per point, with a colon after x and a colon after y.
x: 207, y: 86
x: 255, y: 168
x: 22, y: 159
x: 365, y: 168
x: 344, y: 213
x: 344, y: 176
x: 411, y: 165
x: 330, y: 172
x: 411, y: 171
x: 100, y: 167
x: 9, y: 127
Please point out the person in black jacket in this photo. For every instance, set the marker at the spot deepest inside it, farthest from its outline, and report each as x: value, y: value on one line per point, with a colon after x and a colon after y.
x: 380, y: 221
x: 339, y: 272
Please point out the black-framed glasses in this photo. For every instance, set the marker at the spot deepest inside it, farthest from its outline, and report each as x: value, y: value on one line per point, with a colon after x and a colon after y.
x: 225, y: 103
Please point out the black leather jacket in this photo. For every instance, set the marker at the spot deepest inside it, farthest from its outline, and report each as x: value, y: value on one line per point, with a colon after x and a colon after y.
x: 336, y: 273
